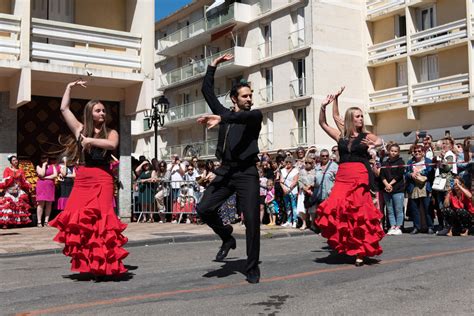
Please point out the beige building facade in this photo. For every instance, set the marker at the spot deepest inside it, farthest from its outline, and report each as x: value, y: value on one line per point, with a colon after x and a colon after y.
x: 407, y: 63
x: 293, y: 53
x: 44, y: 44
x: 420, y: 67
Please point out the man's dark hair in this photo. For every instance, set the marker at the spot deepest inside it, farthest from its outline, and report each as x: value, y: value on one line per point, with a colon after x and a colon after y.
x: 234, y: 92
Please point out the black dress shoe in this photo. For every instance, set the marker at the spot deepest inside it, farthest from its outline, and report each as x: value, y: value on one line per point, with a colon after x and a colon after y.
x: 414, y: 231
x: 253, y: 276
x: 225, y: 248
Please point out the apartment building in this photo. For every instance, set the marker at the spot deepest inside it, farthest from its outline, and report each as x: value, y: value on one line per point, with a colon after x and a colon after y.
x: 420, y: 67
x: 293, y: 53
x: 45, y: 44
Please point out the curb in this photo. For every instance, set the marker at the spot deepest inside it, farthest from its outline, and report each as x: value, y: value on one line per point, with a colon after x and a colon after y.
x: 168, y: 240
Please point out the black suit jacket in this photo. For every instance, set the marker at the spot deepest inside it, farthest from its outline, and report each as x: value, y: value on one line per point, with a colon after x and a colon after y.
x: 238, y: 130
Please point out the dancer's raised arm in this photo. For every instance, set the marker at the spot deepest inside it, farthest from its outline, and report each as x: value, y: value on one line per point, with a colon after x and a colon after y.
x: 208, y: 85
x: 74, y: 125
x: 334, y: 133
x: 335, y: 111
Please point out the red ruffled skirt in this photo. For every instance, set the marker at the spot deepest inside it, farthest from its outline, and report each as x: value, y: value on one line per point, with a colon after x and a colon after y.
x: 88, y: 226
x: 348, y: 217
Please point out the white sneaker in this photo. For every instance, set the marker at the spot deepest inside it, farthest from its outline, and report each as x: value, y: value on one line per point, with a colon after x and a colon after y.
x: 390, y: 231
x: 397, y: 232
x: 286, y: 225
x: 294, y: 225
x: 160, y: 222
x: 174, y: 222
x: 188, y: 221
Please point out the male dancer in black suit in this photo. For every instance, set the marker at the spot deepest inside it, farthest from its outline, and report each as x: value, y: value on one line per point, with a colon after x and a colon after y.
x: 237, y: 148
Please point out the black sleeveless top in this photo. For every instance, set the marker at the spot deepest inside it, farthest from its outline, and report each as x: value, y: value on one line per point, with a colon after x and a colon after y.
x: 352, y: 150
x: 97, y: 158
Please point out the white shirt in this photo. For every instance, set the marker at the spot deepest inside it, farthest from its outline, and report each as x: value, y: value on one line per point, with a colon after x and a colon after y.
x: 288, y: 178
x: 176, y: 177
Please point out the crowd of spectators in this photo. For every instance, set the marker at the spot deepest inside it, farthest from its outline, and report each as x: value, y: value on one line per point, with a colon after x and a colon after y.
x: 430, y: 184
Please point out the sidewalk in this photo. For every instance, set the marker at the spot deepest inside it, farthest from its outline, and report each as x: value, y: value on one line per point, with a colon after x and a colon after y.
x: 32, y: 240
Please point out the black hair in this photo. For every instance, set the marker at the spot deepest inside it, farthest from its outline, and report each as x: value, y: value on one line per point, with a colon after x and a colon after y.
x: 10, y: 158
x: 234, y: 92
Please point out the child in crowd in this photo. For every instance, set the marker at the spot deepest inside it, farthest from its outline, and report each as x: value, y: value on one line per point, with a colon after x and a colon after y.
x: 270, y: 202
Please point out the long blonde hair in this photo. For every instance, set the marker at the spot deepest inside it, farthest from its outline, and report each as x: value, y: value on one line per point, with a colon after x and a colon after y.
x: 71, y: 149
x: 349, y: 127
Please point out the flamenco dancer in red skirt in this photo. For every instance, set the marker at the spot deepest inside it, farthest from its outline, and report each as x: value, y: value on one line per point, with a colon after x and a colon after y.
x: 348, y: 218
x: 88, y: 226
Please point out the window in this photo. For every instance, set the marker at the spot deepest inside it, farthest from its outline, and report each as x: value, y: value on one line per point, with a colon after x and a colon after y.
x: 267, y: 92
x: 400, y: 26
x: 302, y: 130
x: 426, y: 18
x: 402, y: 76
x: 429, y: 68
x: 298, y: 86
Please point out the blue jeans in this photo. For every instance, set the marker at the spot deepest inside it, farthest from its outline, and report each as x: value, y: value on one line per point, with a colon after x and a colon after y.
x: 290, y: 204
x: 394, y: 203
x: 415, y: 205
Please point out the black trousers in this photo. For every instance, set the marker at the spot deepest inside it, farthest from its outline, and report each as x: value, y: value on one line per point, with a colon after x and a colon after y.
x: 245, y: 183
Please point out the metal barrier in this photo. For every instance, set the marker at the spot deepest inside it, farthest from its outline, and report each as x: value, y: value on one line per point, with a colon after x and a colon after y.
x: 174, y: 199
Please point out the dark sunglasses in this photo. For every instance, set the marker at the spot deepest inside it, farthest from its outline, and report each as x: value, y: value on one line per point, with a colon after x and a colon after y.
x: 324, y: 156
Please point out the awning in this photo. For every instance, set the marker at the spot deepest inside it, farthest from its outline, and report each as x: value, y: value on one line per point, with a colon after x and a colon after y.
x: 215, y: 5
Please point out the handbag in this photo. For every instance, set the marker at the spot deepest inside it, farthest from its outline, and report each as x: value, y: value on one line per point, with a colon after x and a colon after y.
x: 420, y: 179
x: 439, y: 183
x: 317, y: 196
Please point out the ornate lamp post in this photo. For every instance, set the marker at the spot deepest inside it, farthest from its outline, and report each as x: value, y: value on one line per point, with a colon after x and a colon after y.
x: 155, y: 117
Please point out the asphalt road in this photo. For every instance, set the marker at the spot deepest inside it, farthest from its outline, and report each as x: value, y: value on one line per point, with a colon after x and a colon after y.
x: 416, y: 275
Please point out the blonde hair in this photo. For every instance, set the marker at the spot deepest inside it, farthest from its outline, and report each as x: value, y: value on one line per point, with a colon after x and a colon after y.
x: 71, y: 149
x: 349, y: 127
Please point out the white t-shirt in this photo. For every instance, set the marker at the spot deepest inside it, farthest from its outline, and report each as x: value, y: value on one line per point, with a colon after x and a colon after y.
x: 176, y: 177
x: 288, y: 178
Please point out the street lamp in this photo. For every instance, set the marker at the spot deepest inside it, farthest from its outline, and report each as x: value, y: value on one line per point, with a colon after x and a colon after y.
x: 155, y: 117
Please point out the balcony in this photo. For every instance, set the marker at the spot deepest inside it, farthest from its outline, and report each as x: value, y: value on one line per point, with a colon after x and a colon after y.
x: 388, y: 98
x: 387, y: 50
x: 265, y: 141
x: 442, y: 35
x: 139, y: 127
x: 69, y: 42
x: 442, y: 89
x: 296, y: 39
x: 181, y: 114
x: 298, y: 88
x: 199, y: 149
x: 200, y: 32
x: 10, y: 44
x: 266, y: 94
x: 242, y: 59
x: 378, y: 8
x: 299, y: 136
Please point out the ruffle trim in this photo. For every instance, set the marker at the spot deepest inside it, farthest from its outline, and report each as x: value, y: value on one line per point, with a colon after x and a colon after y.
x: 351, y: 223
x: 94, y: 242
x: 14, y: 212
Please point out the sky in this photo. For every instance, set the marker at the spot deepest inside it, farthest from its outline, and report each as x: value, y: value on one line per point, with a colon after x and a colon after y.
x: 165, y: 7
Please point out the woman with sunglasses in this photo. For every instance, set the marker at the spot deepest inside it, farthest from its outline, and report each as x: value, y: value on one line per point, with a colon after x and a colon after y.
x: 419, y: 188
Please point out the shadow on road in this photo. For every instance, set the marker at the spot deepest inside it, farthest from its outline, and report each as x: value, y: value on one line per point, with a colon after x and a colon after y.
x: 87, y: 277
x: 229, y: 268
x: 335, y: 258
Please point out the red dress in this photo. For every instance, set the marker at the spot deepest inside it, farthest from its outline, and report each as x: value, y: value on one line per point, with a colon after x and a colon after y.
x: 348, y: 217
x: 14, y: 205
x: 88, y: 226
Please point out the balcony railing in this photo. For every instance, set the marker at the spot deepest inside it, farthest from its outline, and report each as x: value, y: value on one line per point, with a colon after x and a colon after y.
x: 265, y: 141
x: 388, y: 49
x: 238, y: 12
x: 439, y: 35
x: 193, y: 109
x: 72, y: 44
x: 10, y: 24
x: 298, y: 88
x: 379, y: 6
x: 299, y: 136
x: 443, y: 88
x: 198, y: 68
x: 264, y: 50
x: 296, y: 39
x: 205, y: 148
x: 266, y: 94
x: 398, y: 95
